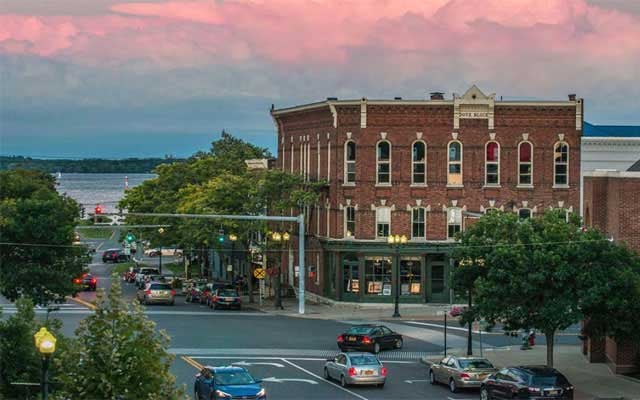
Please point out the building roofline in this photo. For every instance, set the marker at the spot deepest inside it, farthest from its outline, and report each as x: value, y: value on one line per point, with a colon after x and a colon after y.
x: 612, y: 174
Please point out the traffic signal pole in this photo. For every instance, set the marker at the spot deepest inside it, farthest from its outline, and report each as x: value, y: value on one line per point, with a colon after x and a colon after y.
x: 301, y: 237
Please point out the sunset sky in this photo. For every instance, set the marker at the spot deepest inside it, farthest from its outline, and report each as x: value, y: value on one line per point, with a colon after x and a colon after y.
x: 86, y: 78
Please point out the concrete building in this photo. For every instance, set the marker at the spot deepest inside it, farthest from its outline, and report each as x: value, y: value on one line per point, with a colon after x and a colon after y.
x: 425, y: 169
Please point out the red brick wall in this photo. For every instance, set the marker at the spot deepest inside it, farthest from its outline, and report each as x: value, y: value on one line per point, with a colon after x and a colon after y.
x: 543, y: 124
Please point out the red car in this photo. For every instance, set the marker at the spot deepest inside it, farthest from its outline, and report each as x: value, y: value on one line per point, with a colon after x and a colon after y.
x: 86, y: 282
x: 198, y: 293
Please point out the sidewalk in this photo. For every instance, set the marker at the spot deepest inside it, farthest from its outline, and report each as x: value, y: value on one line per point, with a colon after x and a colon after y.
x: 592, y: 381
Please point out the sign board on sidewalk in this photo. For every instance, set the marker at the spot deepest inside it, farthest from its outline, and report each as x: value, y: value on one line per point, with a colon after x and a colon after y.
x: 259, y: 273
x: 229, y: 268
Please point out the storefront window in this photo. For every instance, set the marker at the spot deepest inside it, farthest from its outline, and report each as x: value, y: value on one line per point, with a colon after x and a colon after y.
x: 377, y: 275
x: 351, y: 276
x: 410, y: 282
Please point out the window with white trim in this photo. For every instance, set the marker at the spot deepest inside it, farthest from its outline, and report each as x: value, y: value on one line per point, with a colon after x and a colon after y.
x: 454, y: 222
x: 383, y: 221
x: 349, y: 221
x: 524, y: 213
x: 418, y: 223
x: 561, y: 164
x: 525, y: 164
x: 492, y: 164
x: 350, y: 162
x: 419, y: 163
x: 454, y: 176
x: 383, y: 163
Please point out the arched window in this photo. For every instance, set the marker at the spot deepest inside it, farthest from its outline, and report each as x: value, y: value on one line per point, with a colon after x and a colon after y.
x: 419, y: 163
x: 525, y: 164
x: 492, y: 164
x: 418, y: 223
x: 350, y: 162
x: 454, y: 176
x: 561, y: 164
x: 524, y: 213
x: 383, y: 158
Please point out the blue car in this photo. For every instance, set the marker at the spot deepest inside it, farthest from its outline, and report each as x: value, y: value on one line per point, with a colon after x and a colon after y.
x: 227, y: 383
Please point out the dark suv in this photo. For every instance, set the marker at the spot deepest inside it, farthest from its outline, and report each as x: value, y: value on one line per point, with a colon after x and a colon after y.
x: 527, y: 382
x: 114, y: 256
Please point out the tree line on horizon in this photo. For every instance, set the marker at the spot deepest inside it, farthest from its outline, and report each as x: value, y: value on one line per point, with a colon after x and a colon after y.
x: 87, y: 165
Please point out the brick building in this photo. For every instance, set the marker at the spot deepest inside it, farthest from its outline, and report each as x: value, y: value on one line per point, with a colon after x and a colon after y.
x: 425, y: 169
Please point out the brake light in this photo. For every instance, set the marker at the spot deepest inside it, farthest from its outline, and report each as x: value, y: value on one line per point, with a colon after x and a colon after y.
x: 340, y: 339
x: 383, y: 371
x: 464, y: 376
x: 76, y: 280
x: 366, y: 340
x: 93, y: 280
x: 173, y: 292
x: 352, y: 371
x: 215, y: 298
x: 148, y: 291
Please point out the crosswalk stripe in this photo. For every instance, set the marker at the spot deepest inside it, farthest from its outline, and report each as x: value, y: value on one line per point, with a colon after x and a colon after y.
x: 387, y: 355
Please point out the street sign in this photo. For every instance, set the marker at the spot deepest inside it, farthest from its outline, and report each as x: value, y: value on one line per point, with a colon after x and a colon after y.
x: 259, y: 273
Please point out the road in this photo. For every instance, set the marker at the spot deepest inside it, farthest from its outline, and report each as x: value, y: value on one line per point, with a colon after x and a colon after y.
x: 288, y: 352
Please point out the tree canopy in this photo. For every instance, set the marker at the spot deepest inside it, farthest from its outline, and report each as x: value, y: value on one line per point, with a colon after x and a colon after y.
x: 37, y: 259
x: 546, y: 273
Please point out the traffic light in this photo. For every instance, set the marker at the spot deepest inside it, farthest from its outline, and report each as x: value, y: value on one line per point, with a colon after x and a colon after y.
x: 130, y: 238
x: 98, y: 209
x: 221, y: 236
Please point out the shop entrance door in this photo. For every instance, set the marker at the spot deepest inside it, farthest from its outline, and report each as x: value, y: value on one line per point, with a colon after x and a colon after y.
x: 436, y: 275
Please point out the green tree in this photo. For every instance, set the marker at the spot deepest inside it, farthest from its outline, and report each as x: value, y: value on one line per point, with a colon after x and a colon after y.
x: 19, y: 358
x: 541, y: 273
x: 117, y: 354
x: 37, y: 259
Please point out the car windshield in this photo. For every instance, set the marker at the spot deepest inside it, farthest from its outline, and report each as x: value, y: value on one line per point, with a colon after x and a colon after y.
x: 228, y: 293
x: 547, y: 380
x: 160, y: 286
x: 360, y: 330
x: 473, y: 364
x: 226, y: 378
x: 364, y: 360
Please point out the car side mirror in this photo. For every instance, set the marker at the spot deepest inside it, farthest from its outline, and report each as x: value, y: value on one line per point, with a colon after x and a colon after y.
x: 258, y: 380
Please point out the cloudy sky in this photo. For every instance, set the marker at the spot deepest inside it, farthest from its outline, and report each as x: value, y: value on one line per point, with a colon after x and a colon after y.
x: 153, y: 77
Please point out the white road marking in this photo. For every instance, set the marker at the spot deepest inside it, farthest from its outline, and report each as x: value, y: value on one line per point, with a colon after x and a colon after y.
x: 322, y: 379
x: 453, y: 328
x: 280, y: 358
x: 246, y: 364
x: 281, y: 380
x: 416, y: 380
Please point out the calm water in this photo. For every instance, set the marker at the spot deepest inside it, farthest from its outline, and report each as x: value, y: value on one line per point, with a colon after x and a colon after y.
x: 103, y: 189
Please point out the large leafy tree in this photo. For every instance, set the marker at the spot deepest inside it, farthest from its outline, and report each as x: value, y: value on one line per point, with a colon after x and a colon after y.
x: 37, y: 259
x: 544, y: 273
x: 117, y: 354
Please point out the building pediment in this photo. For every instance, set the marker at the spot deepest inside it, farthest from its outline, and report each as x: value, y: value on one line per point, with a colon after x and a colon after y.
x: 473, y: 104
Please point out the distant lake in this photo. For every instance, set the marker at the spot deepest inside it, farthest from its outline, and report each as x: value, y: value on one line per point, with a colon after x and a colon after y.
x: 103, y: 189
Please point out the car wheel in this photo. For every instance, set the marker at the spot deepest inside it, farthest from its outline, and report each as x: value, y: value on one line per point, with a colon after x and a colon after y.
x: 376, y: 348
x: 484, y: 394
x: 432, y: 378
x: 398, y: 343
x: 173, y: 303
x: 325, y: 374
x: 343, y: 382
x: 380, y: 385
x: 452, y: 385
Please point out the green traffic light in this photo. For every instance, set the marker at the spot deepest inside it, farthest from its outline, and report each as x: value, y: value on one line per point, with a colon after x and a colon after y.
x: 220, y: 239
x: 130, y: 238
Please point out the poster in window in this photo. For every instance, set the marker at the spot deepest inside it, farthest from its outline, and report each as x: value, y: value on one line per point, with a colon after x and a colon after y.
x: 374, y: 287
x: 355, y: 285
x: 386, y: 290
x: 415, y: 288
x: 404, y: 289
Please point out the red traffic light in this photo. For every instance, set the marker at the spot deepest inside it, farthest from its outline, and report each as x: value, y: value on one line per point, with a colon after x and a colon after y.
x: 98, y: 210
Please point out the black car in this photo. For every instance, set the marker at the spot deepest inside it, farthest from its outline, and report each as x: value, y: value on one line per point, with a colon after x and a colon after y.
x: 86, y: 282
x: 371, y: 338
x: 527, y: 382
x: 114, y: 256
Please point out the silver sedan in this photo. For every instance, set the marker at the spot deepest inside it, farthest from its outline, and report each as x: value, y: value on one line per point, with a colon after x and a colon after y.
x: 356, y: 369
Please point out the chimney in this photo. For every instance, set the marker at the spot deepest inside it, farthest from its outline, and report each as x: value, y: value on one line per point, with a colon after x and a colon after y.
x: 572, y: 97
x: 397, y: 98
x: 437, y: 95
x: 332, y: 98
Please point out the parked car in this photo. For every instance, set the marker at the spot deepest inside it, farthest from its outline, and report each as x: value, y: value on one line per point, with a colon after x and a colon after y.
x: 461, y: 372
x: 168, y: 252
x: 114, y: 256
x: 227, y: 383
x: 86, y: 281
x: 371, y: 338
x: 356, y: 369
x: 157, y: 292
x: 144, y: 271
x: 225, y: 298
x: 527, y: 382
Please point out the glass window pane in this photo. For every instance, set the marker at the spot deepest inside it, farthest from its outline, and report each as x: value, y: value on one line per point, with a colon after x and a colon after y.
x: 351, y: 280
x: 351, y: 151
x: 455, y: 168
x: 525, y: 152
x: 384, y: 151
x: 383, y: 229
x: 410, y: 277
x: 524, y: 213
x: 418, y: 152
x: 492, y: 151
x: 377, y: 274
x: 561, y: 152
x: 454, y: 152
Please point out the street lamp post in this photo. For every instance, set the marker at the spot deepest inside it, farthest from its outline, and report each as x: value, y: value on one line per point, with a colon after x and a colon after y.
x: 396, y: 241
x: 160, y: 231
x: 46, y: 345
x: 282, y: 239
x: 233, y: 238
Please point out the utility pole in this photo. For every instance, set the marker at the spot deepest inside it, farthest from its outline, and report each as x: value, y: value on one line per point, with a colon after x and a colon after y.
x: 470, y: 332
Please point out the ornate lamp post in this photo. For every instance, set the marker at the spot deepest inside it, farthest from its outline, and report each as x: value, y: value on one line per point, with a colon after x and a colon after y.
x: 396, y: 241
x: 46, y: 345
x: 233, y: 237
x: 283, y: 240
x: 160, y: 231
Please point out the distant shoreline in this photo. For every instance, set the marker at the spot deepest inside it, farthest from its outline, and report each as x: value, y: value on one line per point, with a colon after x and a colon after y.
x: 88, y: 165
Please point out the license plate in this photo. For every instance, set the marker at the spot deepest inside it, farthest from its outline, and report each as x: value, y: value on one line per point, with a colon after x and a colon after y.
x: 552, y: 392
x: 368, y: 372
x: 352, y: 338
x: 229, y: 299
